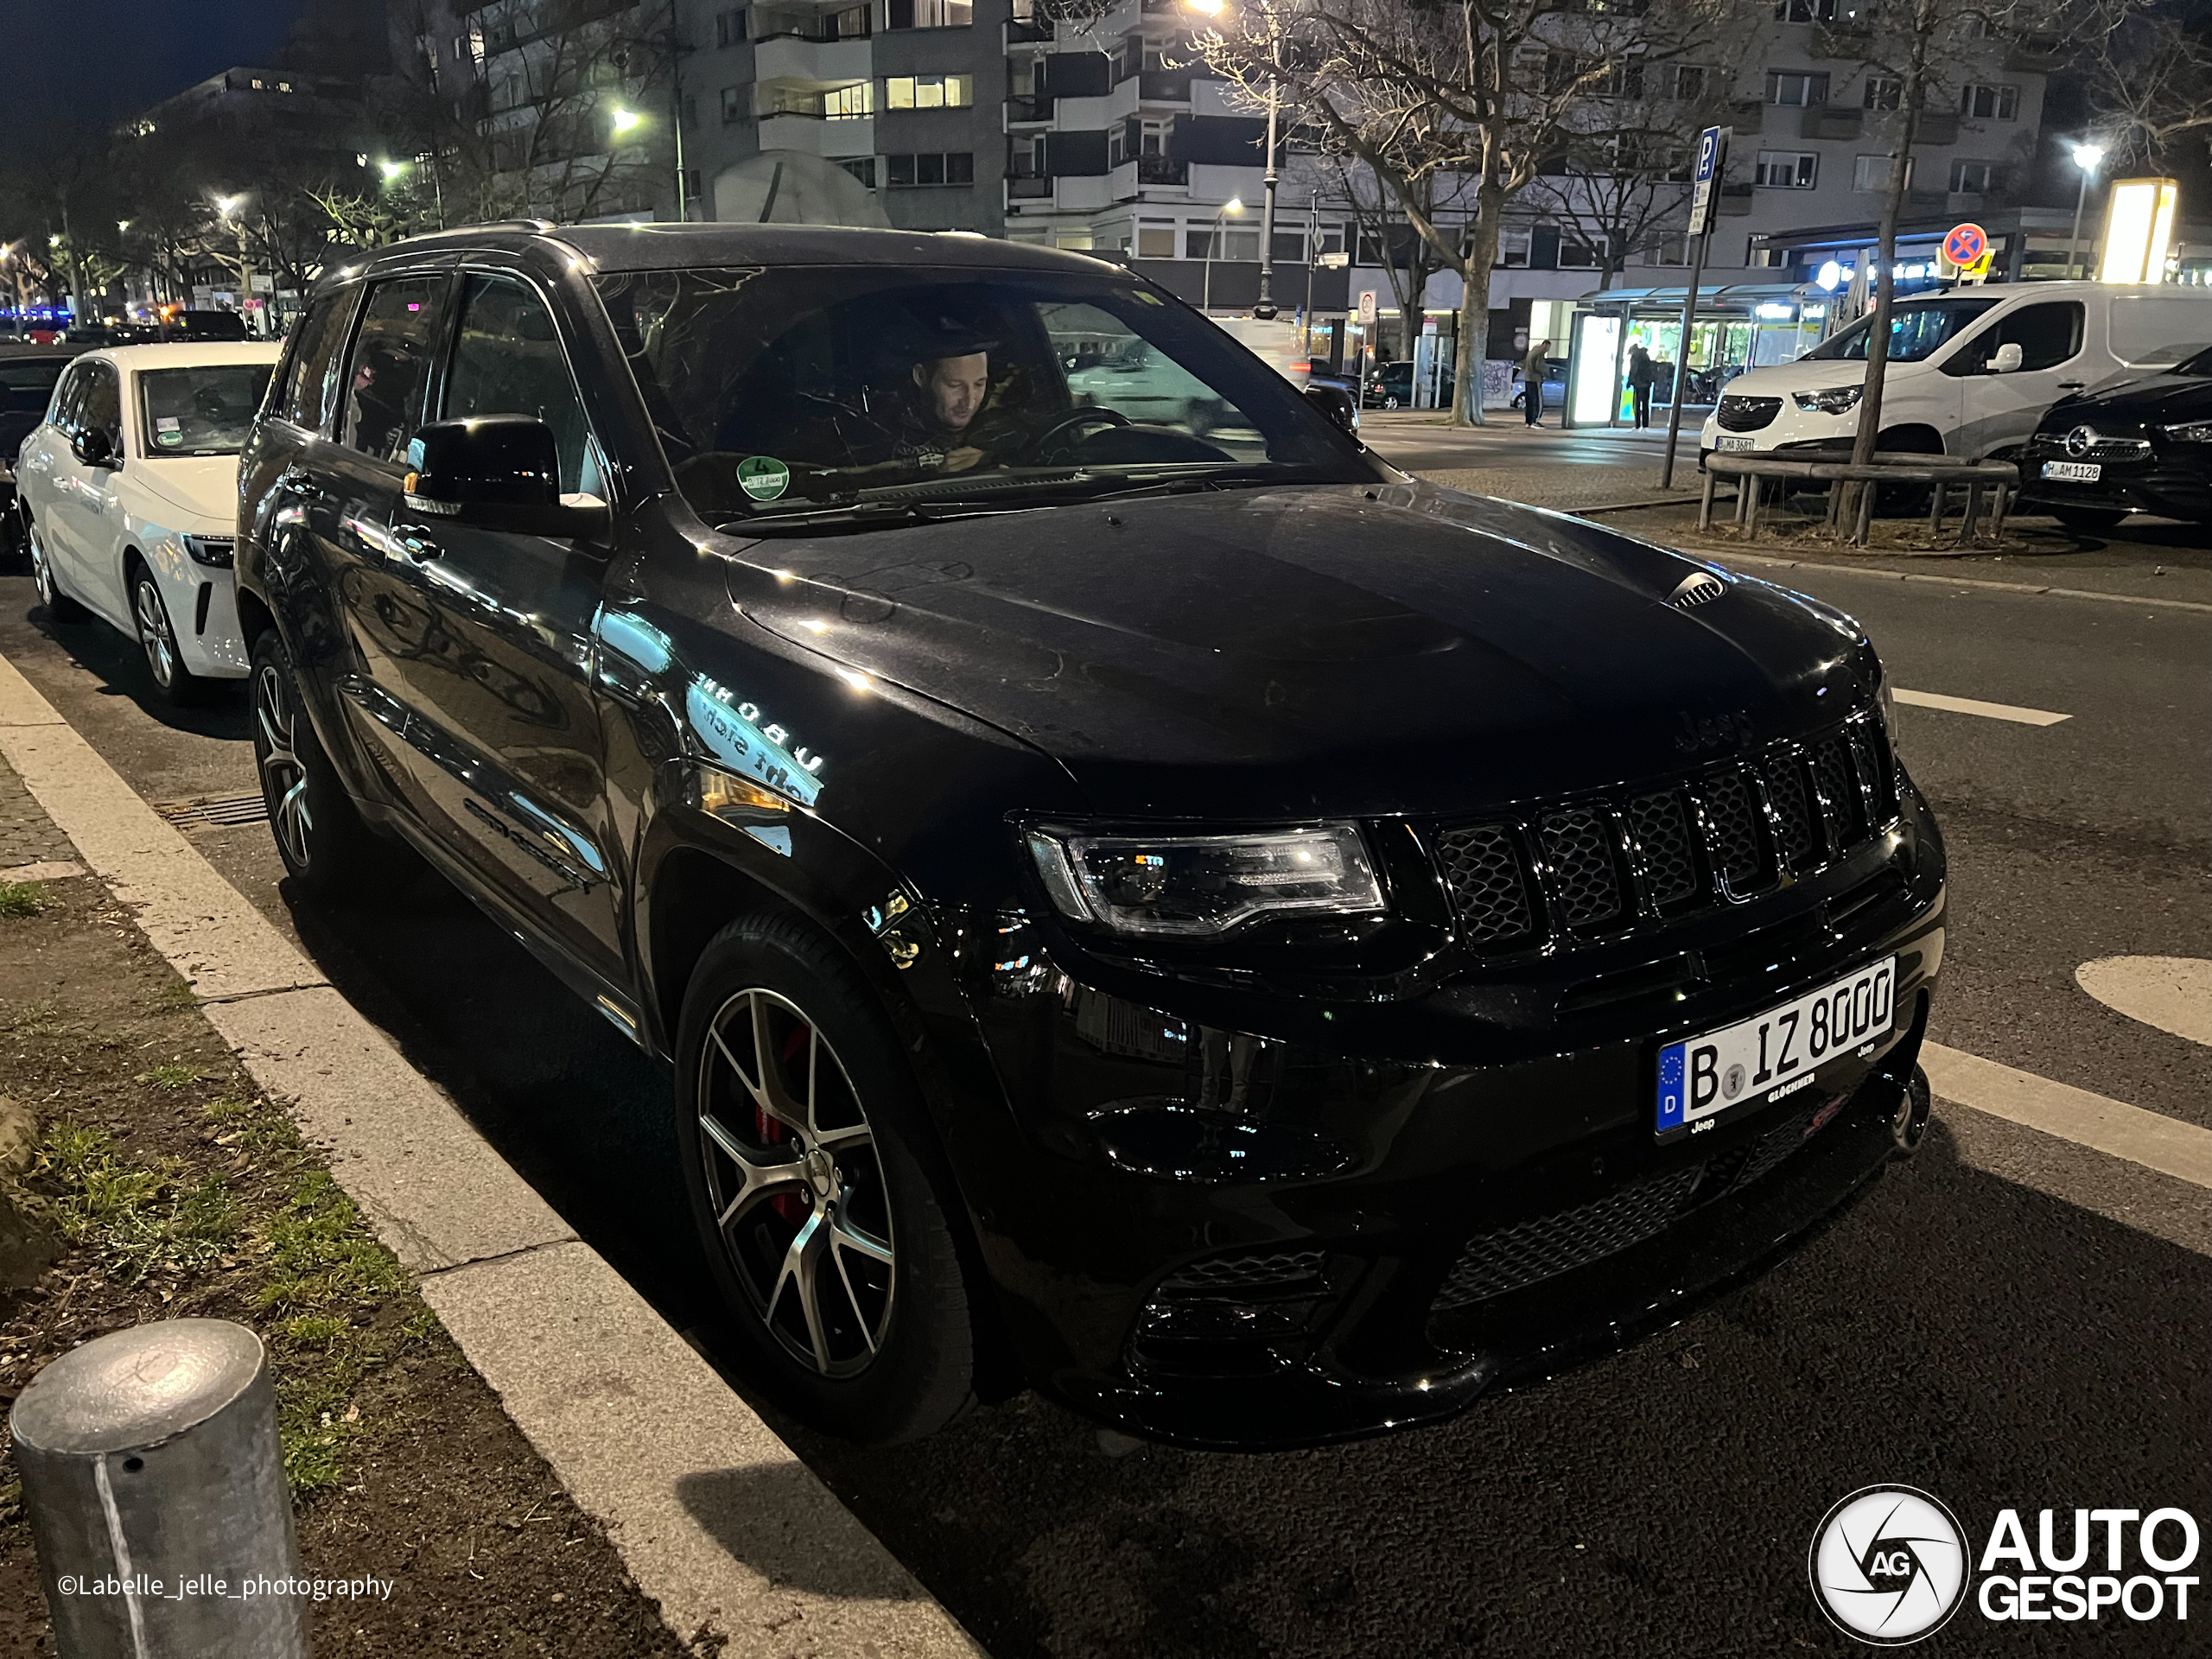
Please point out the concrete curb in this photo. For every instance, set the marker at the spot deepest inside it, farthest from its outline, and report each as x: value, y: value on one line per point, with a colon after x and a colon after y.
x: 713, y: 1516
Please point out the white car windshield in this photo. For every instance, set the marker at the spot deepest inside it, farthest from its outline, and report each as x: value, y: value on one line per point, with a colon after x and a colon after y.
x: 202, y: 411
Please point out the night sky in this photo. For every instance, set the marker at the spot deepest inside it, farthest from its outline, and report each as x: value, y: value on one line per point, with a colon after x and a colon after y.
x: 81, y: 63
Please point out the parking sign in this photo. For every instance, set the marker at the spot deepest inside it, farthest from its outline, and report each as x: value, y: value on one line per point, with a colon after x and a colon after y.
x: 1705, y: 193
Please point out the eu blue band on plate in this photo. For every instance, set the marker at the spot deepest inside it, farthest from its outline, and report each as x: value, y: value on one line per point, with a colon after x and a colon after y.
x: 1670, y: 1086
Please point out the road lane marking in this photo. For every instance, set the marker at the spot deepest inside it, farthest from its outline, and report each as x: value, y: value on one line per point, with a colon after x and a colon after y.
x: 2172, y: 993
x: 2150, y: 1139
x: 1974, y: 706
x: 716, y: 1517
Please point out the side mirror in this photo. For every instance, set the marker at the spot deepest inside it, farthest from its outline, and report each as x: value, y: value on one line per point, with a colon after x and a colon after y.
x: 2007, y: 361
x: 94, y: 447
x: 1336, y: 404
x: 494, y: 471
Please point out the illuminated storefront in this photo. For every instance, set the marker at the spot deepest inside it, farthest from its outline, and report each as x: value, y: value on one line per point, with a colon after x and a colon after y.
x: 1737, y: 326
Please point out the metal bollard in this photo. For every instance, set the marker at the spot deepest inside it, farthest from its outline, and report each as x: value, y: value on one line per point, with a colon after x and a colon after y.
x: 155, y: 1491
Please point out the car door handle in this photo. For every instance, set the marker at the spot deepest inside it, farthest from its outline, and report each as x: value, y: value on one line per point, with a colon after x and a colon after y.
x: 2072, y: 385
x: 415, y: 545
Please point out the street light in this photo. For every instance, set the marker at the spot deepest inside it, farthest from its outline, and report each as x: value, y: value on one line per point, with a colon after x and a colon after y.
x: 2086, y: 157
x: 1265, y: 305
x: 1233, y: 204
x: 625, y: 119
x: 391, y: 171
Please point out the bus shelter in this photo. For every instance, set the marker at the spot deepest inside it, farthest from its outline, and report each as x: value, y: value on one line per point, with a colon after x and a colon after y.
x: 1735, y: 327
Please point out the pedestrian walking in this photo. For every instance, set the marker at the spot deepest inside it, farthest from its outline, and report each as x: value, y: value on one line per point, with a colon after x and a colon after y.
x: 1532, y: 380
x: 1640, y: 377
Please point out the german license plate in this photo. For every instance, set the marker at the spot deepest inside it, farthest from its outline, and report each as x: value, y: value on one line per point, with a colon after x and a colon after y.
x: 2074, y: 471
x: 1735, y: 443
x: 1760, y: 1060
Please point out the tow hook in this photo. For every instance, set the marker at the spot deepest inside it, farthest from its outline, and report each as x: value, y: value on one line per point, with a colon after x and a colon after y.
x: 1908, y: 1126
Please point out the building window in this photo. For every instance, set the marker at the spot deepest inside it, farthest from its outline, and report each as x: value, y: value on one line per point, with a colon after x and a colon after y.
x: 1580, y: 256
x: 849, y: 103
x: 929, y: 166
x: 1797, y: 89
x: 1670, y: 250
x: 1156, y: 241
x: 1767, y: 258
x: 861, y: 168
x: 1974, y: 178
x: 929, y: 91
x: 1873, y: 173
x: 730, y: 27
x: 1804, y: 12
x: 1884, y: 93
x: 931, y: 13
x: 1689, y: 82
x: 1156, y: 135
x: 1786, y: 169
x: 1513, y: 250
x: 1229, y: 245
x: 1987, y: 103
x: 733, y: 106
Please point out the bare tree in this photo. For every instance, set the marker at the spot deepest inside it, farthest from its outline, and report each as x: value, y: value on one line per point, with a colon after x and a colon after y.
x: 1407, y: 261
x: 1496, y: 90
x: 2150, y: 80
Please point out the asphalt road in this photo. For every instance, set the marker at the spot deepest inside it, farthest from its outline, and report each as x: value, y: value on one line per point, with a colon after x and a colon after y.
x: 1996, y: 1342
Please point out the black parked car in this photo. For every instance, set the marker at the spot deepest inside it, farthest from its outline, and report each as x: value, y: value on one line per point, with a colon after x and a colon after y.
x: 2143, y: 445
x: 27, y: 382
x: 1263, y: 949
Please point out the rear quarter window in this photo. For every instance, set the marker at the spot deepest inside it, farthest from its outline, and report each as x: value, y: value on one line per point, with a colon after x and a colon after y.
x: 2153, y: 331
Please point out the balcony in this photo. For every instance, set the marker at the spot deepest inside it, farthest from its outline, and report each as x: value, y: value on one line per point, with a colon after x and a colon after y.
x: 1023, y: 30
x: 1743, y: 118
x: 1020, y: 110
x: 1827, y: 121
x: 1937, y: 127
x: 1164, y: 85
x: 1158, y: 169
x: 791, y: 130
x: 1028, y: 189
x: 1735, y: 199
x: 788, y: 57
x: 2036, y: 54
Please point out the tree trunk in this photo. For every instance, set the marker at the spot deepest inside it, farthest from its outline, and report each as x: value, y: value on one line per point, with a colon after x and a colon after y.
x: 1474, y: 304
x: 1877, y: 340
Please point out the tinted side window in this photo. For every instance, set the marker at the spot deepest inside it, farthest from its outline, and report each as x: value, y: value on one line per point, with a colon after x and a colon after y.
x: 2047, y: 335
x: 388, y: 373
x: 507, y: 361
x: 311, y: 377
x: 102, y: 410
x: 67, y: 398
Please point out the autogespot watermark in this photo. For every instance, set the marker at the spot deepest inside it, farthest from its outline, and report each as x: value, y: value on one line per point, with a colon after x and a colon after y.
x: 253, y: 1588
x: 1890, y: 1564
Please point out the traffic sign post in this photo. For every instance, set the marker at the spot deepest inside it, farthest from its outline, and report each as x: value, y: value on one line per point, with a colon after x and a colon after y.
x: 1704, y: 205
x: 1367, y: 313
x: 1965, y: 253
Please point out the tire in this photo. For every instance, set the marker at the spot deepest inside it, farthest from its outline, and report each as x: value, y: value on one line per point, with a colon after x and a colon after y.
x: 2088, y: 520
x: 176, y: 684
x: 60, y: 608
x: 875, y: 1343
x: 326, y: 846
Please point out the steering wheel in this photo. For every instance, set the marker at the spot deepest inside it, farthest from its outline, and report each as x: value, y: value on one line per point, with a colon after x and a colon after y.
x: 1102, y: 418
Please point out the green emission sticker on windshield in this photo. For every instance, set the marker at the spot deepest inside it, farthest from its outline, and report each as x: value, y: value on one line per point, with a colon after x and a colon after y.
x: 168, y: 430
x: 763, y: 477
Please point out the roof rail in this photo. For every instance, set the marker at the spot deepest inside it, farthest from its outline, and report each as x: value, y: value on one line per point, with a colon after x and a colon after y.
x: 536, y: 227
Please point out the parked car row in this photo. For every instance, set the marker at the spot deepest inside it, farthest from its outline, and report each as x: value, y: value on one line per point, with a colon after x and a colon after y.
x: 2097, y: 389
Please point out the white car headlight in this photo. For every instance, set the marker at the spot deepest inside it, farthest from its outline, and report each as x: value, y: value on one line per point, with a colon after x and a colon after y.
x: 2191, y: 432
x: 1202, y: 886
x: 1830, y: 400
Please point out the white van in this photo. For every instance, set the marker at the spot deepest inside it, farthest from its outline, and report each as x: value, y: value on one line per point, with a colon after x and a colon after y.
x: 1970, y: 371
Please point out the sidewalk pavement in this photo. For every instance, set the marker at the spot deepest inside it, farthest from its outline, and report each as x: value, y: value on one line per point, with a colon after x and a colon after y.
x: 714, y: 1517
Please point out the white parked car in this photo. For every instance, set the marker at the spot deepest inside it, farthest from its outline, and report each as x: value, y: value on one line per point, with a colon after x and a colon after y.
x: 1971, y: 371
x: 131, y: 486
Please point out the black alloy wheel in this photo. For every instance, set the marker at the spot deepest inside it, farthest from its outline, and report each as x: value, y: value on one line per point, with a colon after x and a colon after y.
x: 320, y: 834
x: 807, y: 1156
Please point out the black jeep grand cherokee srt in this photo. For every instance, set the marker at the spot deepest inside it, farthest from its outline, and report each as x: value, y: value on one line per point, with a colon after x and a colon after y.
x: 1264, y: 948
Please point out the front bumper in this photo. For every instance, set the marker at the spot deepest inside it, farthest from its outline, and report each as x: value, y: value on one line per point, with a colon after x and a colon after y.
x: 2166, y: 485
x: 1221, y: 1234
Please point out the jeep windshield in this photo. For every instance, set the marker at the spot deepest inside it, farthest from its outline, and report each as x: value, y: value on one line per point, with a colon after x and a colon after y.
x: 834, y: 392
x: 1918, y: 328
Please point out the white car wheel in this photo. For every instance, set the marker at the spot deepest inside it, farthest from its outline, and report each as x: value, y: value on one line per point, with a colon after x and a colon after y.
x: 60, y: 608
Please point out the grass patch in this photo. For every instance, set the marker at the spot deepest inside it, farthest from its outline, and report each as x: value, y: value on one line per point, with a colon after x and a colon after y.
x: 136, y: 1220
x: 40, y: 1019
x: 315, y: 1271
x: 20, y: 899
x: 171, y: 1075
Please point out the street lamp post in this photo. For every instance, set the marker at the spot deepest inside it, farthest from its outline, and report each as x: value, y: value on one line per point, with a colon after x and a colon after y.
x: 228, y: 206
x: 1233, y: 204
x: 1265, y: 306
x: 2086, y: 157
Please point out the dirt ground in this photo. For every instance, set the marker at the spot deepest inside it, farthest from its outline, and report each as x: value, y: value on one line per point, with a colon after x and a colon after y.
x: 157, y: 1182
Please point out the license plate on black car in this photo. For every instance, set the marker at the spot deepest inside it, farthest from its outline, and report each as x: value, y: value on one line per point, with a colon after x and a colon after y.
x: 1757, y: 1061
x: 2074, y: 471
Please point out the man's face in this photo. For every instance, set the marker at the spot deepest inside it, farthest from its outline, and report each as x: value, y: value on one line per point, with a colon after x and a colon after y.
x: 955, y: 387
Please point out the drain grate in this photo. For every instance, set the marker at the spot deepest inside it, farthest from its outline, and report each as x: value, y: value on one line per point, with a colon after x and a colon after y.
x: 215, y: 812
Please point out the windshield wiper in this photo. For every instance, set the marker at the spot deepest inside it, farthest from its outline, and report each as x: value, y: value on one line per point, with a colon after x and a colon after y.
x: 936, y: 499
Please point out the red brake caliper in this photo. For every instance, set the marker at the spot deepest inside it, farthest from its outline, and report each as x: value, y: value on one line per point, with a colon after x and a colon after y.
x: 792, y: 1206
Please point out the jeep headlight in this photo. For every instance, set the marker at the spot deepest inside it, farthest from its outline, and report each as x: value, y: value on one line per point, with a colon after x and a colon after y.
x: 1829, y: 400
x: 2191, y: 432
x: 1202, y: 886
